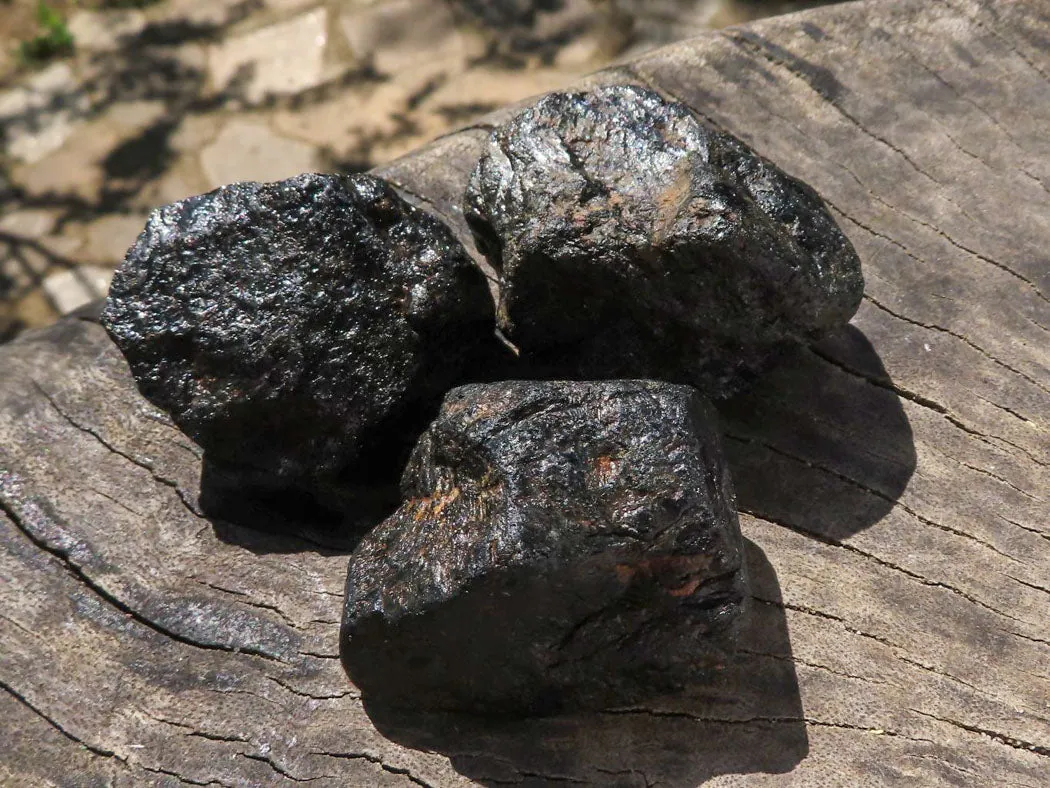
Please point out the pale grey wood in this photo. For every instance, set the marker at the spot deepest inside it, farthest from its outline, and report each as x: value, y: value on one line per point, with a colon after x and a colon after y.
x: 893, y: 484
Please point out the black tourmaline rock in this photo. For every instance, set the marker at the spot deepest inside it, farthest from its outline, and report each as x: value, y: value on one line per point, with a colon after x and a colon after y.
x: 634, y: 240
x: 560, y: 545
x: 290, y: 328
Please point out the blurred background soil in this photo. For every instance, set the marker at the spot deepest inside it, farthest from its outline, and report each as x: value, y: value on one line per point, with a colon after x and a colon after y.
x: 109, y: 108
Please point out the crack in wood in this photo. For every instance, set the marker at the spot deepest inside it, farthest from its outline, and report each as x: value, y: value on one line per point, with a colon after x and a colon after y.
x: 278, y: 769
x: 983, y: 472
x: 969, y: 100
x: 374, y: 759
x: 1033, y: 639
x: 773, y: 53
x: 351, y: 693
x: 894, y: 502
x: 28, y: 632
x: 928, y: 403
x: 899, y: 651
x: 182, y: 779
x: 194, y: 731
x: 1028, y: 528
x: 23, y: 512
x: 1034, y: 425
x: 144, y: 464
x: 1006, y: 42
x: 102, y: 752
x: 923, y: 223
x: 1002, y: 738
x: 797, y: 660
x: 883, y: 562
x: 247, y: 599
x: 940, y: 329
x: 624, y: 772
x: 751, y: 42
x: 773, y: 720
x: 547, y: 778
x: 1033, y: 586
x: 119, y: 503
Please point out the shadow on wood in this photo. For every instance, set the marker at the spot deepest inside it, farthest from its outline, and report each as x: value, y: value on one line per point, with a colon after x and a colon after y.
x: 264, y: 519
x: 821, y: 444
x: 750, y: 722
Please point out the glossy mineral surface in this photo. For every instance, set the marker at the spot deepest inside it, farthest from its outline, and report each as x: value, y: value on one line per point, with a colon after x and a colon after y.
x: 290, y: 328
x: 634, y: 240
x: 560, y: 544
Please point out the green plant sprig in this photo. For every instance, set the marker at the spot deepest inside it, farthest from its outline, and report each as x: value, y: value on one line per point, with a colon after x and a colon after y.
x: 55, y: 39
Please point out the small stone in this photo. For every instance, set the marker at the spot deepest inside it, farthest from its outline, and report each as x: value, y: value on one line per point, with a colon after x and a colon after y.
x: 397, y: 35
x: 179, y: 182
x: 76, y: 168
x: 136, y: 116
x: 221, y: 14
x: 29, y: 223
x: 194, y: 132
x: 108, y: 238
x: 291, y: 328
x: 634, y: 240
x: 285, y: 58
x: 246, y: 151
x: 30, y: 249
x: 33, y: 310
x: 38, y: 117
x: 105, y: 31
x: 483, y: 90
x: 386, y: 116
x: 560, y: 545
x: 69, y: 290
x: 284, y: 6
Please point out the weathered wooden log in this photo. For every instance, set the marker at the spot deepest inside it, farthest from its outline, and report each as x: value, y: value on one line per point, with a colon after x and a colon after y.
x: 893, y: 484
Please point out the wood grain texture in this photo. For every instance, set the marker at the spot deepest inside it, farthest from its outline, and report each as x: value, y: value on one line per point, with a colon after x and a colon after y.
x: 893, y: 484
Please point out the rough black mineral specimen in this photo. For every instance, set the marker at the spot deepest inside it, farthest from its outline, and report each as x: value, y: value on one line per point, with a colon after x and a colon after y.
x: 290, y: 328
x: 634, y: 240
x: 561, y: 544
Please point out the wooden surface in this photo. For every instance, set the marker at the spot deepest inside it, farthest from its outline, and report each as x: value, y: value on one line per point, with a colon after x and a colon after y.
x: 893, y: 483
